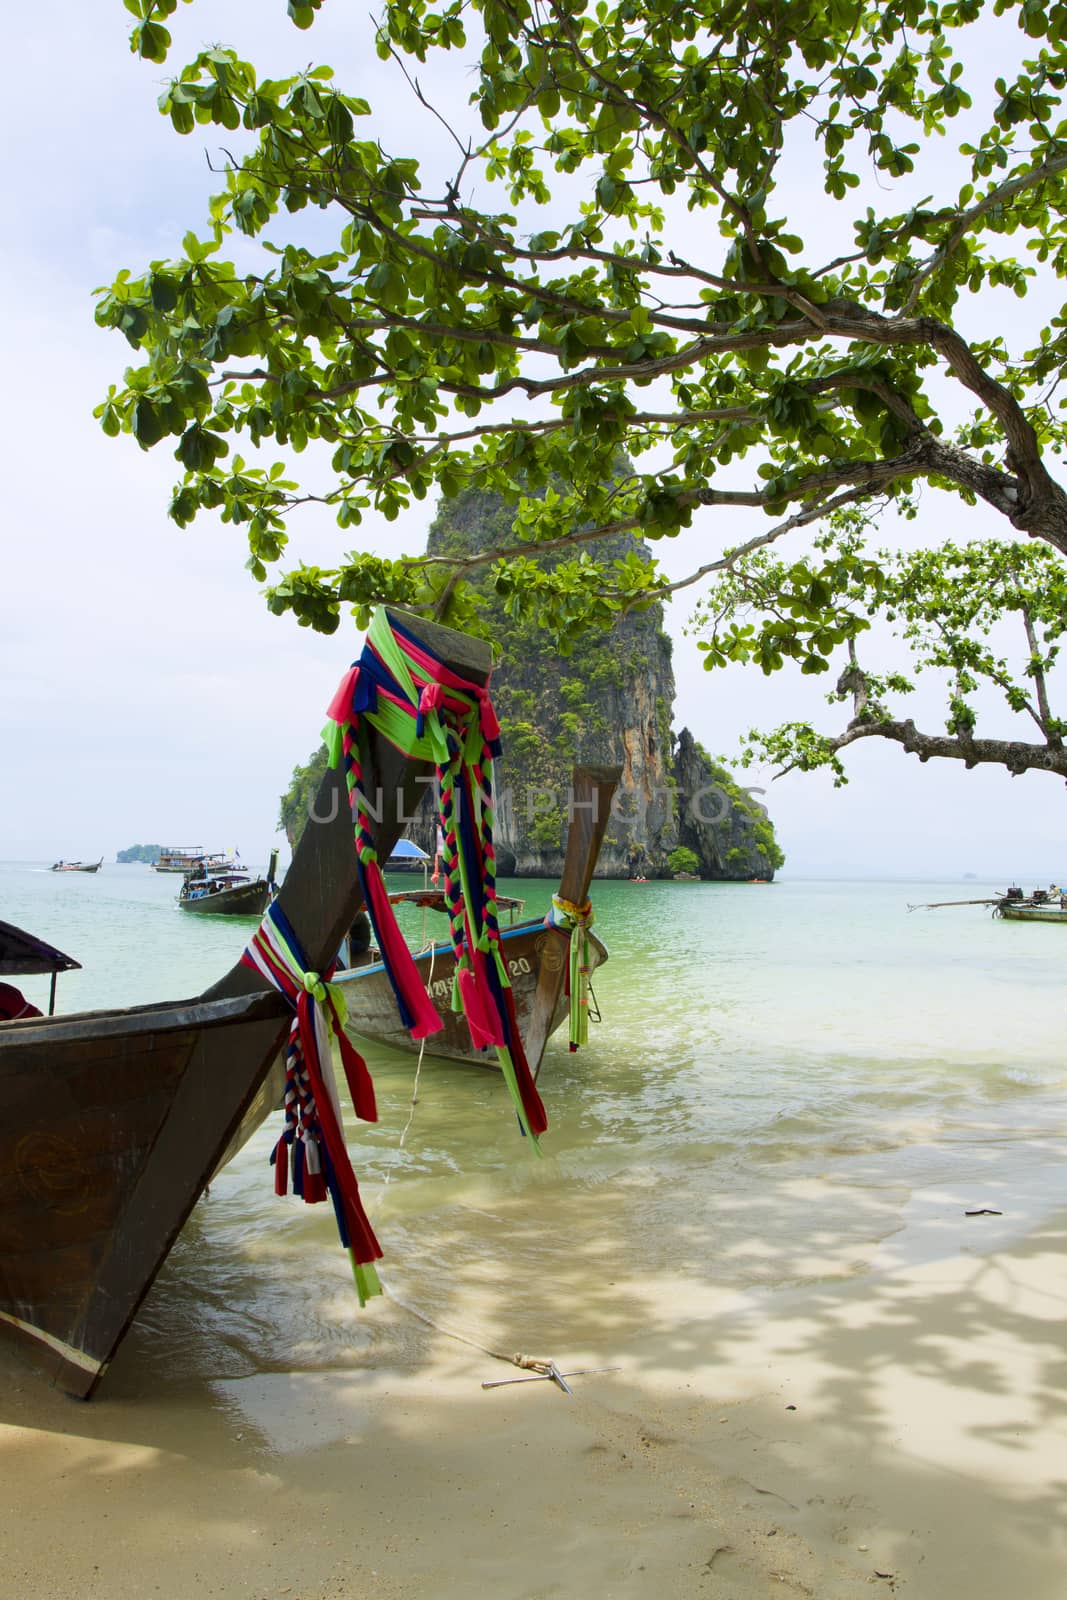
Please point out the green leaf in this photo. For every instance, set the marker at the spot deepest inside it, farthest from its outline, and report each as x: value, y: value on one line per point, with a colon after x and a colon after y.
x: 150, y: 41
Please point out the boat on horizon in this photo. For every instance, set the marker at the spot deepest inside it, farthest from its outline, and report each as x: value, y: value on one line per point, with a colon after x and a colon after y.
x: 118, y: 1119
x: 535, y: 952
x: 76, y: 866
x: 188, y: 858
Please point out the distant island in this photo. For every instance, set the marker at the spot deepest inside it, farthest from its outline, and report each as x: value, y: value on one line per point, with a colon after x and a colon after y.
x: 149, y: 853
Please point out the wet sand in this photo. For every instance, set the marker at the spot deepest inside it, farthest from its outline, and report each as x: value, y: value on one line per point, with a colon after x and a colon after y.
x: 902, y: 1426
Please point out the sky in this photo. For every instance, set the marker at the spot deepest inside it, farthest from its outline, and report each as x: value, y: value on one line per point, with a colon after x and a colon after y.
x: 146, y: 695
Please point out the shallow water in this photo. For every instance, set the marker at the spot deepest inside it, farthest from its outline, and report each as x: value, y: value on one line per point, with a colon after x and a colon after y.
x: 781, y: 1070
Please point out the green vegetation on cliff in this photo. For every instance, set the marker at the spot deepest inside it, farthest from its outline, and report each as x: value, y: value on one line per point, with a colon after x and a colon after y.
x: 725, y: 825
x: 296, y: 802
x: 139, y: 852
x: 762, y: 829
x: 607, y: 700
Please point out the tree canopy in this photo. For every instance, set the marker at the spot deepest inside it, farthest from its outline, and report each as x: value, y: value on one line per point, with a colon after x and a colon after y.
x: 615, y: 264
x: 986, y: 615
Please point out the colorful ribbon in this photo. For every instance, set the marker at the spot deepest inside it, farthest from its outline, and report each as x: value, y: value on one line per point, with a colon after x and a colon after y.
x: 312, y: 1149
x: 412, y: 699
x: 567, y: 918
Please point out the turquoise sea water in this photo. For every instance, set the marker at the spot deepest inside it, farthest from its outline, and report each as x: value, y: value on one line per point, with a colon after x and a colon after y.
x: 781, y: 1071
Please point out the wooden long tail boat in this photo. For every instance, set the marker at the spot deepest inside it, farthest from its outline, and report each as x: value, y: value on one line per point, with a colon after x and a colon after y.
x: 536, y: 956
x: 1033, y: 911
x: 228, y: 893
x: 226, y: 896
x: 77, y: 866
x: 224, y: 890
x: 117, y: 1119
x: 1042, y: 905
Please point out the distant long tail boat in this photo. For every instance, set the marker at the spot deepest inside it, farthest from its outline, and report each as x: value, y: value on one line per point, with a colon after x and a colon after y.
x: 1044, y: 909
x: 115, y: 1120
x: 1041, y: 905
x: 229, y: 892
x: 77, y: 866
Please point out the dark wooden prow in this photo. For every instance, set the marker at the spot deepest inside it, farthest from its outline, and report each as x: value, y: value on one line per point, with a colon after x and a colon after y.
x: 321, y: 895
x: 222, y: 1092
x: 592, y: 791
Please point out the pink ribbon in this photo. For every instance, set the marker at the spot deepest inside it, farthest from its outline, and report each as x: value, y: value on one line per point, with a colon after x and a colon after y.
x: 484, y: 1025
x: 441, y: 676
x: 490, y: 726
x: 340, y: 707
x: 431, y: 697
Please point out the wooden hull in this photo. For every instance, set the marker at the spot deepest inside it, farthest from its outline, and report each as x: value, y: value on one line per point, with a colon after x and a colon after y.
x: 77, y: 867
x: 530, y: 949
x: 243, y: 900
x: 536, y: 956
x: 115, y: 1121
x: 1021, y: 913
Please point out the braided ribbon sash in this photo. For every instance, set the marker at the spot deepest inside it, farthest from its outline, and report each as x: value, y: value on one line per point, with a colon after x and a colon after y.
x: 312, y: 1147
x: 567, y: 918
x: 409, y: 697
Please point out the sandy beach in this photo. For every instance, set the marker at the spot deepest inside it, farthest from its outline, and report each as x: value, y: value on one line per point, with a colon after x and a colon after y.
x: 901, y: 1424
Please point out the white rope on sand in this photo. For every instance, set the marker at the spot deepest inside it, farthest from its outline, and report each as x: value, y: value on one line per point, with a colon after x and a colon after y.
x: 543, y: 1368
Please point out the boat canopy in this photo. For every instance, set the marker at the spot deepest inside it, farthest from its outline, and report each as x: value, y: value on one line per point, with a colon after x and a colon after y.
x: 21, y: 954
x: 404, y: 850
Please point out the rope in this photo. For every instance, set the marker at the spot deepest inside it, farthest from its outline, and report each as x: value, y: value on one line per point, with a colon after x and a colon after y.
x: 530, y: 1363
x: 414, y: 1089
x: 418, y: 1072
x: 516, y: 1359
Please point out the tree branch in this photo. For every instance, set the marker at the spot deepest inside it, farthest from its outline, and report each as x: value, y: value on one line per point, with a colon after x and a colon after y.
x: 730, y: 559
x: 1017, y: 756
x: 997, y: 196
x: 1040, y: 685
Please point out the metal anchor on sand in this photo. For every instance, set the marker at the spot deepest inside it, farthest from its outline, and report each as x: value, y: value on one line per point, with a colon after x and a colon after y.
x: 550, y: 1373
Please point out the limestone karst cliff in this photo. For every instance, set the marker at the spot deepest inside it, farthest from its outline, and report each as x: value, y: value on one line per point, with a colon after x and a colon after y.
x: 609, y: 701
x: 726, y: 827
